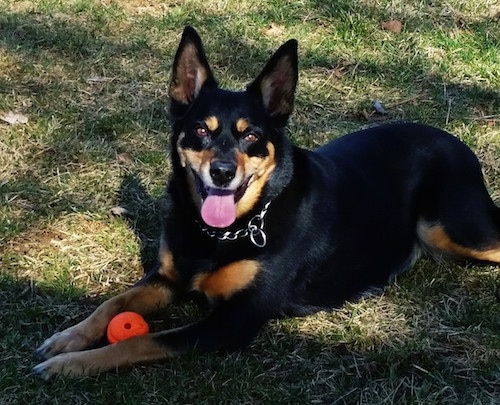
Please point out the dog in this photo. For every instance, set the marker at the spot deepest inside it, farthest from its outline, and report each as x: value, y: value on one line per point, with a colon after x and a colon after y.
x: 262, y: 229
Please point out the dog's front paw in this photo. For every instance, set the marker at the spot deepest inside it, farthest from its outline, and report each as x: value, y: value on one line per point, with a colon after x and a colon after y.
x: 49, y: 368
x: 69, y: 340
x: 66, y: 364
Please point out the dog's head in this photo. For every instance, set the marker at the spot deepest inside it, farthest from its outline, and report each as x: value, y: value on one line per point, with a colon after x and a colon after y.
x: 226, y: 141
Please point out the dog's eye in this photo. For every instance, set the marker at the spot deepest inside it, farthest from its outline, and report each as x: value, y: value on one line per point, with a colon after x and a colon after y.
x: 201, y: 132
x: 251, y: 137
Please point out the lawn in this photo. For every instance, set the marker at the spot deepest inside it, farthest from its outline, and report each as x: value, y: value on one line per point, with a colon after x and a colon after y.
x: 91, y: 78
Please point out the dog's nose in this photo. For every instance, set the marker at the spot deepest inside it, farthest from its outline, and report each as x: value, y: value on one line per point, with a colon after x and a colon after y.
x: 222, y: 172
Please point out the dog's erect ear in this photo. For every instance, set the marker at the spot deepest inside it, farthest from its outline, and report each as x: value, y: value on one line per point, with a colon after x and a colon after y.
x: 190, y: 72
x: 277, y: 82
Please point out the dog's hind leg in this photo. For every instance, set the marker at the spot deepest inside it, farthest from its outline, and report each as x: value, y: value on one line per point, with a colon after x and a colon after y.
x: 466, y: 226
x: 436, y: 237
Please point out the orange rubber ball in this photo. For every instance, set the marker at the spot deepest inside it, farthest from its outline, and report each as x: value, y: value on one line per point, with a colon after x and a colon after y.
x: 126, y: 325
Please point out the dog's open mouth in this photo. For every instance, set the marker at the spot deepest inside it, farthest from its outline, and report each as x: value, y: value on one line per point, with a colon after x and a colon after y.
x: 218, y: 205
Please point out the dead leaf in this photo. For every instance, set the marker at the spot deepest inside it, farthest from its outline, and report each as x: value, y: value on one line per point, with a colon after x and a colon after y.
x: 13, y: 118
x: 494, y: 13
x: 124, y: 158
x: 274, y: 30
x: 119, y: 212
x: 395, y: 26
x: 377, y: 105
x: 98, y: 79
x: 461, y: 23
x: 372, y: 116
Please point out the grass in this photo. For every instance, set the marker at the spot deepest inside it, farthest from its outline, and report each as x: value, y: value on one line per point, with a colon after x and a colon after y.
x: 92, y: 78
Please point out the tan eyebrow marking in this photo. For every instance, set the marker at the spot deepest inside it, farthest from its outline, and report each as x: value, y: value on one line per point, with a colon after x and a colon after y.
x: 242, y: 124
x: 212, y: 123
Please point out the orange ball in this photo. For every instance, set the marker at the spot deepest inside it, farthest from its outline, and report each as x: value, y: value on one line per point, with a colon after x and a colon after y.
x: 126, y: 325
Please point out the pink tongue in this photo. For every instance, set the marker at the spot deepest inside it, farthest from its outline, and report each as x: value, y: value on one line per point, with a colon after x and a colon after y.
x: 218, y: 209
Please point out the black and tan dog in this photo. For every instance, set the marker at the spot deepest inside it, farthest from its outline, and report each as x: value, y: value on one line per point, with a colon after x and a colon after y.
x: 264, y: 229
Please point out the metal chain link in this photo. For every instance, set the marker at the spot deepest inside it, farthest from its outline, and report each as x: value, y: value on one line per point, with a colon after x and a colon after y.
x: 254, y: 229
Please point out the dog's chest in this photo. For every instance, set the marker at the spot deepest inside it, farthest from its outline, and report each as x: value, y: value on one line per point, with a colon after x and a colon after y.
x: 219, y: 282
x: 227, y: 280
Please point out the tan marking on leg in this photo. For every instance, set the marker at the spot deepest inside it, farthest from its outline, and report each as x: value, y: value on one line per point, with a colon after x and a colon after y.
x: 260, y: 168
x: 435, y: 235
x: 167, y: 268
x: 242, y: 124
x: 227, y: 280
x: 212, y: 123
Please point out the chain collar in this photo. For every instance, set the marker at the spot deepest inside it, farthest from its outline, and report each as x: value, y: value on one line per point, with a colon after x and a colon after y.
x: 254, y: 230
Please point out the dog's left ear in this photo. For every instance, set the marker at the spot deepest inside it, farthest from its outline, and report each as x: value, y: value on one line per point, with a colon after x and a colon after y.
x: 277, y: 82
x: 190, y: 72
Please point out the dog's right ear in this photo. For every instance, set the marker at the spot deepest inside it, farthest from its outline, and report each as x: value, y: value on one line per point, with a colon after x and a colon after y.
x: 190, y: 72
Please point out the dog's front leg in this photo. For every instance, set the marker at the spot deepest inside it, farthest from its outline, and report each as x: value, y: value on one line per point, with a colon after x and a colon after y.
x: 114, y: 357
x: 153, y: 292
x: 226, y: 328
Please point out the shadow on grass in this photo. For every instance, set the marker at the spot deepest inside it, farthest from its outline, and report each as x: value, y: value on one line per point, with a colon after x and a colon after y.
x: 144, y: 217
x: 89, y: 131
x: 287, y: 362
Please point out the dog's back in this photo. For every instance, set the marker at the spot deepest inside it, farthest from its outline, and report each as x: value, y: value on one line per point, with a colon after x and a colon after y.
x: 388, y: 193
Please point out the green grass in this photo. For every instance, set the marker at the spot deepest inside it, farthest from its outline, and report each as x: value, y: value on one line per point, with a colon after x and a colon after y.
x: 92, y: 78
